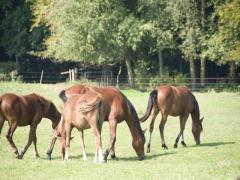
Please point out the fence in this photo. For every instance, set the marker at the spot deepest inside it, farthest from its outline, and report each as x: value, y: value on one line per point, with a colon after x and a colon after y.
x: 106, y: 78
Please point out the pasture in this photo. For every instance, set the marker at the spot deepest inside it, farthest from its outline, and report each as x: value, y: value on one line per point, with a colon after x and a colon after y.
x: 218, y: 156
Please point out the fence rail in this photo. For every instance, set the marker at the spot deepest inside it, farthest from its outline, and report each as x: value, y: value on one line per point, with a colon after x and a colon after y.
x: 103, y: 78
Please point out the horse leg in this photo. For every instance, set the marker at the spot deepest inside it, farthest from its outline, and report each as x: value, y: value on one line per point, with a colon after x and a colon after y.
x: 2, y: 120
x: 184, y: 120
x: 63, y: 146
x: 113, y: 127
x: 82, y: 145
x: 98, y: 154
x: 31, y: 135
x: 68, y: 137
x: 161, y: 128
x: 9, y: 136
x: 35, y: 145
x: 49, y: 152
x: 154, y: 115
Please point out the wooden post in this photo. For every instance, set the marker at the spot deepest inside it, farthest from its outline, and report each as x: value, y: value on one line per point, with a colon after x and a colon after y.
x: 41, y: 77
x: 70, y: 75
x: 75, y: 73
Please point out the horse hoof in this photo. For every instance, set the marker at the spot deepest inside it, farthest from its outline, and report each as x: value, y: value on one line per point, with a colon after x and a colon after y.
x: 105, y: 155
x: 20, y: 156
x: 37, y: 156
x: 49, y: 154
x: 164, y: 146
x: 183, y: 143
x: 114, y: 157
x: 175, y: 146
x: 148, y: 150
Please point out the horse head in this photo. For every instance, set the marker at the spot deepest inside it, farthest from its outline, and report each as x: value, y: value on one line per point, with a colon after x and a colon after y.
x: 196, y: 130
x: 138, y: 146
x: 51, y: 112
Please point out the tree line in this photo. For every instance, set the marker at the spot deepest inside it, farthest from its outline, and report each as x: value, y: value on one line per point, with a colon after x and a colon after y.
x: 134, y: 33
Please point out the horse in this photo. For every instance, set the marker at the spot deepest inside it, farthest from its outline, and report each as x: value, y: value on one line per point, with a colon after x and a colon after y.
x: 173, y: 101
x: 23, y: 111
x: 82, y: 112
x: 118, y: 109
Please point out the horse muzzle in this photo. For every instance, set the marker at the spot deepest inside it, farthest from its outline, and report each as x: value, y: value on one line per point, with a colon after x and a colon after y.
x: 141, y: 157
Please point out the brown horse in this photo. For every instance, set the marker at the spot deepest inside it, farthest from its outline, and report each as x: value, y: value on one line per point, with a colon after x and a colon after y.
x: 173, y: 101
x: 23, y: 111
x: 118, y: 108
x: 83, y: 112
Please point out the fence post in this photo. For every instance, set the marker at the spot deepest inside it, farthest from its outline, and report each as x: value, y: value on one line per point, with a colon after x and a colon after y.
x: 70, y: 75
x: 41, y: 77
x: 75, y: 73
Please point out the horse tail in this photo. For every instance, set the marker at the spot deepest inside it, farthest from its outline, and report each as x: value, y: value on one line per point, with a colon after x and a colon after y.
x: 63, y: 96
x: 85, y: 107
x: 152, y: 99
x: 2, y: 120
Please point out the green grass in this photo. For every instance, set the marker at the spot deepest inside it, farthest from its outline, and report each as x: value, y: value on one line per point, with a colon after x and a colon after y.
x: 218, y: 157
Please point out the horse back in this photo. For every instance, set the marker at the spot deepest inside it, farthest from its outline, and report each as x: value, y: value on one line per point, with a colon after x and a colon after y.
x: 19, y: 108
x: 175, y: 101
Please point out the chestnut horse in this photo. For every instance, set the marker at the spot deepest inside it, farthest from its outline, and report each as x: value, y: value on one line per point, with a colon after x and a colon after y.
x: 83, y: 112
x: 118, y: 109
x: 23, y: 111
x: 173, y: 101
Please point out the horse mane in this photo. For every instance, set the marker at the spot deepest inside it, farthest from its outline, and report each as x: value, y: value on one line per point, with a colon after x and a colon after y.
x: 46, y: 102
x: 196, y: 112
x: 134, y: 115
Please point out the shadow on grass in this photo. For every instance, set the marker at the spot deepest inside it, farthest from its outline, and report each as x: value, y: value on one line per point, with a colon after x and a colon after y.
x: 147, y: 156
x: 89, y: 156
x: 213, y: 144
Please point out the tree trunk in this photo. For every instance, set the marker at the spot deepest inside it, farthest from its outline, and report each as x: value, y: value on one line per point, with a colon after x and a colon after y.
x: 192, y: 73
x: 232, y: 71
x: 203, y: 59
x: 130, y: 71
x: 203, y: 71
x: 160, y: 59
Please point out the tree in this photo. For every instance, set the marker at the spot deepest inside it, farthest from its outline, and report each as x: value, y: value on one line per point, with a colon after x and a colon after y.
x: 187, y: 18
x: 224, y: 44
x: 16, y: 37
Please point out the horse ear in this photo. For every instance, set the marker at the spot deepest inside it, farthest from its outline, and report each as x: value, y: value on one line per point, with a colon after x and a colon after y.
x: 201, y: 119
x: 144, y: 130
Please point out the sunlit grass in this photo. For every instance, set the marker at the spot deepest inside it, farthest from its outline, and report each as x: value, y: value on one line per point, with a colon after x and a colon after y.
x: 218, y: 157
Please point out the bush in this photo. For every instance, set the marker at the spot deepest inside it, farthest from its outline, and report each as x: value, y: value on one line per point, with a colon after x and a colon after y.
x: 5, y: 77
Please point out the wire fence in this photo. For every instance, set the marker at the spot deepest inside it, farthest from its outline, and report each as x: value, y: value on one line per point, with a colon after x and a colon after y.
x: 106, y: 78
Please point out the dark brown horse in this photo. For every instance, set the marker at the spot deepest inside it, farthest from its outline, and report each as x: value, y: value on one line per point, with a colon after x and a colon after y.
x: 118, y: 109
x: 173, y: 101
x: 23, y: 111
x: 83, y: 112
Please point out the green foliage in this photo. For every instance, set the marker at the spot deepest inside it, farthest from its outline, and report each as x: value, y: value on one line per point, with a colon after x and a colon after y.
x: 5, y: 77
x: 16, y: 36
x: 225, y: 42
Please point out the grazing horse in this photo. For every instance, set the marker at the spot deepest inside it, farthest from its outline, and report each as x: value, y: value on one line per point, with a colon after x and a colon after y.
x: 23, y: 111
x: 173, y: 101
x: 83, y: 112
x: 118, y: 108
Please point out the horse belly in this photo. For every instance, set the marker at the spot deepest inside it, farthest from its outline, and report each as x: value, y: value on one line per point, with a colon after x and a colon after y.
x: 81, y: 124
x: 175, y: 111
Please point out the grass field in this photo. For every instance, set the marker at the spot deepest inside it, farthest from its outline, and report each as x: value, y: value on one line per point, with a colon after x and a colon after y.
x: 218, y: 157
